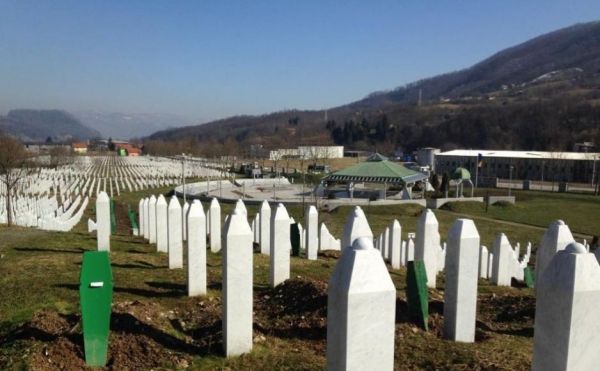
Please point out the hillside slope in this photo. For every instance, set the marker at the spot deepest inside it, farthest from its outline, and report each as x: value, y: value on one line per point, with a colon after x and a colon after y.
x: 38, y: 125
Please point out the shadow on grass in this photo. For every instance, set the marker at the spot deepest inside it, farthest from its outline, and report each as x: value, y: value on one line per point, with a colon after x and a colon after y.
x: 139, y: 265
x: 133, y: 251
x: 525, y: 332
x: 167, y: 286
x: 51, y: 250
x: 175, y: 292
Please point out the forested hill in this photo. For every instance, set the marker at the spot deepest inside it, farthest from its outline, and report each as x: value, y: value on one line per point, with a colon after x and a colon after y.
x: 38, y: 125
x: 541, y: 94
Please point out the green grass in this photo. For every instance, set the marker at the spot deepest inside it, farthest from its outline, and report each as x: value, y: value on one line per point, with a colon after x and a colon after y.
x: 580, y: 212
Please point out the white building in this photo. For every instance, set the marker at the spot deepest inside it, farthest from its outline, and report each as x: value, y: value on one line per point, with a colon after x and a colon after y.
x: 308, y: 152
x: 526, y: 165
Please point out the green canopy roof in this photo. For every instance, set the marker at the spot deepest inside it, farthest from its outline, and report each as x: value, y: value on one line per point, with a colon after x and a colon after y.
x: 461, y: 173
x: 377, y: 169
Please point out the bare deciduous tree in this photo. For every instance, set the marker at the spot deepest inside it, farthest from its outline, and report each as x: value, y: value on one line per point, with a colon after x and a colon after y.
x: 14, y: 166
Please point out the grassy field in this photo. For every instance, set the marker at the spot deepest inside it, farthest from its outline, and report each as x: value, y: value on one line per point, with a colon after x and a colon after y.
x: 156, y: 325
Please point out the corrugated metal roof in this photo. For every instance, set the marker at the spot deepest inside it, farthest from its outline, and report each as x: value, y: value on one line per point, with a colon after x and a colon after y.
x: 522, y: 154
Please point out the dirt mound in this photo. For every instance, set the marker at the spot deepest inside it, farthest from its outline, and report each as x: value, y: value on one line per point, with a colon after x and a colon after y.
x: 137, y: 340
x: 506, y: 312
x: 297, y: 308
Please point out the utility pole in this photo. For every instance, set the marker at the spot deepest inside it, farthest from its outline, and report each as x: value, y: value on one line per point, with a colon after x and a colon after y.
x: 183, y: 175
x: 510, y: 170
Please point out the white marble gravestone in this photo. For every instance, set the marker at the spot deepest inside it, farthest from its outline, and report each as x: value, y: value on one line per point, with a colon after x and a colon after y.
x: 312, y: 229
x: 504, y: 259
x: 280, y: 246
x: 264, y: 234
x: 395, y: 231
x: 361, y: 311
x: 556, y: 238
x: 237, y: 286
x: 356, y: 226
x: 141, y: 219
x: 427, y: 245
x: 241, y: 207
x: 185, y: 209
x: 215, y: 225
x: 152, y: 219
x: 175, y: 240
x: 196, y: 258
x: 460, y: 295
x: 483, y: 262
x: 103, y: 222
x: 162, y: 231
x: 147, y: 218
x: 566, y: 312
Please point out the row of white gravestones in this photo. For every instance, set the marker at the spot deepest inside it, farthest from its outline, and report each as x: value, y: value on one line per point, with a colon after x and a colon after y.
x: 360, y: 286
x: 561, y: 291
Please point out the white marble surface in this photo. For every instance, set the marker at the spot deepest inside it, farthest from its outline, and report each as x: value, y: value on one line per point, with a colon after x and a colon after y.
x: 103, y: 222
x: 566, y: 318
x: 237, y: 286
x: 356, y: 226
x: 265, y: 228
x: 556, y: 238
x: 279, y: 268
x: 175, y: 238
x: 215, y: 225
x: 483, y: 261
x: 460, y: 294
x: 162, y: 231
x: 152, y: 219
x: 427, y: 244
x: 361, y: 311
x: 196, y: 244
x: 504, y: 261
x: 395, y: 232
x: 311, y: 218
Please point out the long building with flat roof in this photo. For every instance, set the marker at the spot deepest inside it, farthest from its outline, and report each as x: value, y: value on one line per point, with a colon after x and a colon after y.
x: 581, y: 167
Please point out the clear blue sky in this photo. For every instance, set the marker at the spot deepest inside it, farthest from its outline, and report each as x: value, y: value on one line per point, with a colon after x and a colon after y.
x: 209, y: 59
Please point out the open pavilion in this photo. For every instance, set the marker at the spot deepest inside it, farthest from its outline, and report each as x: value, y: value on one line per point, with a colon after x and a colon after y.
x: 378, y: 170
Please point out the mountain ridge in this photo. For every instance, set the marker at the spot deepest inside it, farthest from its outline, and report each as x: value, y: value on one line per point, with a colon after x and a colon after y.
x: 39, y: 125
x: 507, y: 75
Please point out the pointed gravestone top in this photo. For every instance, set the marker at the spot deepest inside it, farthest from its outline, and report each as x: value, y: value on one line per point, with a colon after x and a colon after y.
x: 241, y: 207
x: 174, y: 203
x: 575, y: 248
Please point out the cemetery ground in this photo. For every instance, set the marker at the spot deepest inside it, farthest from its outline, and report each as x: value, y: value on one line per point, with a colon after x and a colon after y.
x: 155, y: 325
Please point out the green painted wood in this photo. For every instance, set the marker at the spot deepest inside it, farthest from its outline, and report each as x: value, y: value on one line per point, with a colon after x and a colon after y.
x: 529, y: 277
x: 417, y: 295
x: 95, y: 293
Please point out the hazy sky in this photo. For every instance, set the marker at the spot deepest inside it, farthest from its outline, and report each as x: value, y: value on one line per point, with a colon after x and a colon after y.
x: 209, y: 59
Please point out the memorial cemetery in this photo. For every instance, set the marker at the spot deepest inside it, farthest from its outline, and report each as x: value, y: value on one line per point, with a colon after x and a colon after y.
x: 111, y: 262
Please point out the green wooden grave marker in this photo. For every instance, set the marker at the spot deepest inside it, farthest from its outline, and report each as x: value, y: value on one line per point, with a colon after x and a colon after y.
x: 417, y: 295
x: 95, y: 293
x: 529, y: 277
